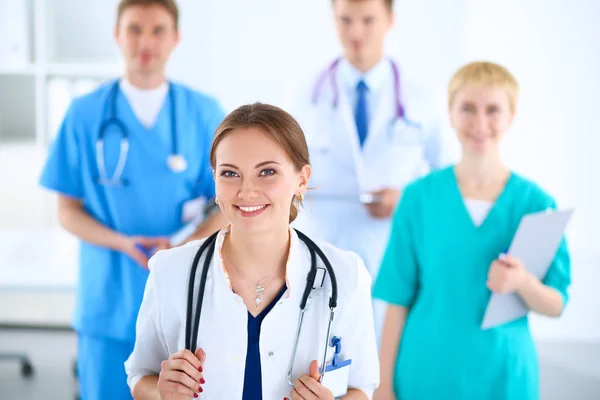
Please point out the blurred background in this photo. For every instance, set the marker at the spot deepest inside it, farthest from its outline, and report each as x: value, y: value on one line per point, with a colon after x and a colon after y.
x: 245, y: 51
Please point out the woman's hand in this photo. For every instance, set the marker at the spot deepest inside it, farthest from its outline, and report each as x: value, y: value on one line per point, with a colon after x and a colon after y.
x: 384, y: 393
x: 181, y: 375
x: 308, y: 387
x: 506, y: 274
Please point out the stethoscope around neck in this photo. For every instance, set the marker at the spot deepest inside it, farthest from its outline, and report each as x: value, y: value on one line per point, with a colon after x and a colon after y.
x: 329, y: 74
x: 176, y: 162
x: 193, y: 319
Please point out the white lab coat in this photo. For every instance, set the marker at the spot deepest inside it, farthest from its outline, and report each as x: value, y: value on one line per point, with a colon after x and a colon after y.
x: 393, y: 155
x: 223, y: 326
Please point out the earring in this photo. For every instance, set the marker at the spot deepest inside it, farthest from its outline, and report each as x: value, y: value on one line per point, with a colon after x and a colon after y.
x: 300, y: 196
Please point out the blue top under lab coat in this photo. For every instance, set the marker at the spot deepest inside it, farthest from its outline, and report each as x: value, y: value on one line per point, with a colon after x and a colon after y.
x: 111, y: 285
x: 436, y: 264
x: 253, y: 370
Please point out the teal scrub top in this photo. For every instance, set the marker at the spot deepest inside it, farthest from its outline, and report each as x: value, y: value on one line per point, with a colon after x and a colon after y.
x: 436, y: 264
x: 111, y: 285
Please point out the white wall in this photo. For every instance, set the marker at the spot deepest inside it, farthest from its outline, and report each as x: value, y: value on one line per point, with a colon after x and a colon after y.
x: 244, y: 51
x: 252, y: 50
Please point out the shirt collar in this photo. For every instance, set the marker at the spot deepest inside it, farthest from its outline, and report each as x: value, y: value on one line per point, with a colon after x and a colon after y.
x: 128, y: 88
x: 375, y: 78
x: 296, y: 266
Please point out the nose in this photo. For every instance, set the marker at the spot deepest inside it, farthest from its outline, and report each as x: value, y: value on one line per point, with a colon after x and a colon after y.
x: 146, y: 41
x: 355, y: 30
x: 248, y: 191
x: 480, y: 123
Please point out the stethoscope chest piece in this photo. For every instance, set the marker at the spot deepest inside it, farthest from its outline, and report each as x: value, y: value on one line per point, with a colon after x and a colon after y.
x: 177, y: 163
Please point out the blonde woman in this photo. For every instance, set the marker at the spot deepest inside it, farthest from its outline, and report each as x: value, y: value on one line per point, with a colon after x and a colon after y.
x: 444, y: 259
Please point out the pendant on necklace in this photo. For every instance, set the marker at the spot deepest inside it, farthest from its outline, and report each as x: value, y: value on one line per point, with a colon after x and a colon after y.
x: 259, y: 295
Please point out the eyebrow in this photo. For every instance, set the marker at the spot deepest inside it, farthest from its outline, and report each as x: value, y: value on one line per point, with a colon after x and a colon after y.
x: 256, y: 166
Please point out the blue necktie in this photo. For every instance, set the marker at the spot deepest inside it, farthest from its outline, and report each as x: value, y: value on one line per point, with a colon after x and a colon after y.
x: 360, y: 115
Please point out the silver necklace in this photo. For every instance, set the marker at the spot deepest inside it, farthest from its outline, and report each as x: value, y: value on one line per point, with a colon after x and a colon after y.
x: 259, y: 289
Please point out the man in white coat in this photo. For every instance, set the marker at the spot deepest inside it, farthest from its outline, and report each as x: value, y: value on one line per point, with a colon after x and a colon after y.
x: 370, y: 132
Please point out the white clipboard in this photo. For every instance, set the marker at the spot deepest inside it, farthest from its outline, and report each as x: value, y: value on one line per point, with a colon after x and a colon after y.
x: 535, y: 244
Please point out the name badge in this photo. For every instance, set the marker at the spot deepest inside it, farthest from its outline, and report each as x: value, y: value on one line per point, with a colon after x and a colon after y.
x: 192, y: 209
x: 337, y: 372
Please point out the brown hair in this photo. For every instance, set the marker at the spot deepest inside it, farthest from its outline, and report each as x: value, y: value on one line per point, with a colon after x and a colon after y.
x: 278, y: 124
x: 388, y: 3
x: 169, y: 5
x: 486, y: 73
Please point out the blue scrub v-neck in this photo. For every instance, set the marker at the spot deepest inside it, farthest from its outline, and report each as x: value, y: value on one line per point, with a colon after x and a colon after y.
x: 162, y: 124
x: 252, y: 373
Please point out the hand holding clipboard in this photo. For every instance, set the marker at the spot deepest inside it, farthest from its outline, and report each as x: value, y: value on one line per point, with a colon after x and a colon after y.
x: 534, y: 244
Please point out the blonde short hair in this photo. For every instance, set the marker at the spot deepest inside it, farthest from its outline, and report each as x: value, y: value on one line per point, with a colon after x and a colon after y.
x: 487, y: 73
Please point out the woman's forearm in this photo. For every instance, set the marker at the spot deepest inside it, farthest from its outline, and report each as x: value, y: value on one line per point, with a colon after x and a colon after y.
x: 211, y: 225
x: 390, y: 341
x: 145, y: 388
x: 355, y: 394
x: 539, y: 297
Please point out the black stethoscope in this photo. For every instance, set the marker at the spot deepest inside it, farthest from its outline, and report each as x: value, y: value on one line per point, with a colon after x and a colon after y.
x: 193, y: 321
x: 175, y: 161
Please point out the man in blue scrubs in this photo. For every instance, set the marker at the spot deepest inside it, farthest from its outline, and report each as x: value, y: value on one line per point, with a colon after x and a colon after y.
x: 119, y: 206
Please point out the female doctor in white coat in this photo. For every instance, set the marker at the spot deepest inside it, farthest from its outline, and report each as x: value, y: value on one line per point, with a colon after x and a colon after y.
x: 254, y: 286
x: 370, y: 131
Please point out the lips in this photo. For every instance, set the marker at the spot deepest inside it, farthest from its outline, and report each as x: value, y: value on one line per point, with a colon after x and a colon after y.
x: 251, y: 208
x: 479, y: 138
x: 145, y: 57
x: 251, y: 211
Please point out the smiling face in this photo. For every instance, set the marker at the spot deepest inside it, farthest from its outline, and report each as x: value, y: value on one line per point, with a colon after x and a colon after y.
x: 256, y: 180
x: 481, y: 114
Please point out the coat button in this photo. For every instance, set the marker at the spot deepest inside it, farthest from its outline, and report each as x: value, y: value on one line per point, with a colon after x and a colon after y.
x: 271, y: 354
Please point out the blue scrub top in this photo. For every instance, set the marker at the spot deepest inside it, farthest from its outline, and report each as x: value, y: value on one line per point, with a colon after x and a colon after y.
x: 436, y: 265
x: 252, y: 374
x: 111, y: 285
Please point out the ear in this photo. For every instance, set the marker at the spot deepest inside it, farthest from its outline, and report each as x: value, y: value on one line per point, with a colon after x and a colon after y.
x: 392, y: 20
x: 304, y: 177
x: 116, y: 33
x: 451, y: 116
x: 512, y: 116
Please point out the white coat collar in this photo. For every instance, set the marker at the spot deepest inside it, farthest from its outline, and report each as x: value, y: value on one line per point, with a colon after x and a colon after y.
x: 375, y: 78
x: 297, y: 266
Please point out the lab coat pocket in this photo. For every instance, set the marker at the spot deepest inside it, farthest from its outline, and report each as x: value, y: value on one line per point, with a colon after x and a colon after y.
x: 406, y: 157
x: 406, y: 133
